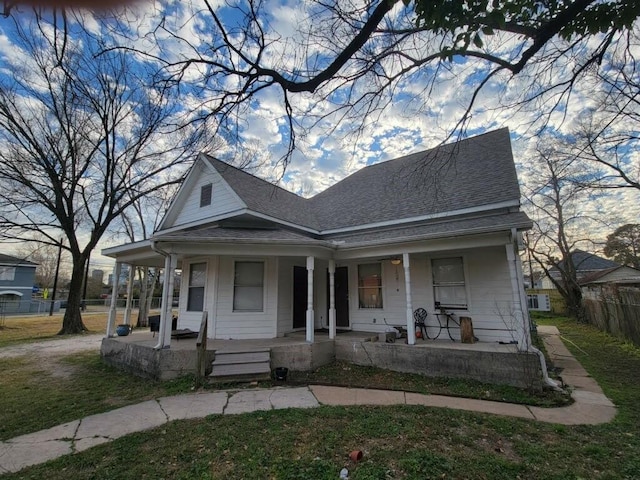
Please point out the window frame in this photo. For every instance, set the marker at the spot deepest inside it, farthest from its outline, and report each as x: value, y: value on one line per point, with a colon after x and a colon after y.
x: 206, y: 194
x: 441, y: 285
x: 249, y: 285
x: 7, y: 274
x: 378, y: 302
x: 196, y: 288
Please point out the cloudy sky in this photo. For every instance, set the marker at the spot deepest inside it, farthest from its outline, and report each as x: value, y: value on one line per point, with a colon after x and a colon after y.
x: 422, y: 112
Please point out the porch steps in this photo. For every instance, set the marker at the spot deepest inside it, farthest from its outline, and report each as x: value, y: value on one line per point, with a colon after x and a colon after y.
x: 241, y: 366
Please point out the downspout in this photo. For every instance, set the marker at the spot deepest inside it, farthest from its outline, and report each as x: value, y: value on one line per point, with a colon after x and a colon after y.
x: 163, y: 303
x: 520, y: 279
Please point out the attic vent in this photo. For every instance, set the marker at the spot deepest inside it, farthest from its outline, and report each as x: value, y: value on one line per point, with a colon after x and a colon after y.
x: 205, y: 195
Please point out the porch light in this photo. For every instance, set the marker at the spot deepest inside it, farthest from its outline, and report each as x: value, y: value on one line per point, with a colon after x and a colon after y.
x: 396, y: 261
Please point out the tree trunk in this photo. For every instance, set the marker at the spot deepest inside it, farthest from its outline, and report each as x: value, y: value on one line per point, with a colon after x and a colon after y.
x: 72, y: 322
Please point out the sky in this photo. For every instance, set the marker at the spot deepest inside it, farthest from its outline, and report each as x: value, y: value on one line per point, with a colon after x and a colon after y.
x: 333, y: 147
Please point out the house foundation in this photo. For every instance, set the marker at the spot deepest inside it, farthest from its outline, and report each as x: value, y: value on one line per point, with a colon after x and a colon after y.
x: 483, y: 362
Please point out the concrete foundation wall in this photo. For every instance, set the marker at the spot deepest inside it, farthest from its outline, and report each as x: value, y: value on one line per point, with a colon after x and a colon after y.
x: 503, y: 368
x: 304, y: 357
x: 146, y: 362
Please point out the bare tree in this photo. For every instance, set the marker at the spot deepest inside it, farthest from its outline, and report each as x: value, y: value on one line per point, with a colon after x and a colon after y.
x: 556, y: 196
x: 347, y: 60
x: 45, y: 256
x: 608, y: 136
x: 83, y: 137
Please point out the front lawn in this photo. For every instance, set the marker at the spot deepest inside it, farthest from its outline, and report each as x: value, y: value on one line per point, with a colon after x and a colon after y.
x: 398, y: 442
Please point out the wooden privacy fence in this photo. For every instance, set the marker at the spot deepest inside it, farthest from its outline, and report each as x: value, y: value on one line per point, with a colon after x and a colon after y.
x: 616, y: 310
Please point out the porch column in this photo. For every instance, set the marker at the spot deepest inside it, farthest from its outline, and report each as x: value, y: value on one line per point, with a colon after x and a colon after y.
x: 519, y: 324
x: 127, y: 312
x: 411, y: 328
x: 164, y: 335
x: 332, y: 299
x: 111, y: 321
x: 310, y: 314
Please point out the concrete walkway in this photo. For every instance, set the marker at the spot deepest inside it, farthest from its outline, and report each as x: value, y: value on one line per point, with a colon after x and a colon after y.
x: 591, y: 407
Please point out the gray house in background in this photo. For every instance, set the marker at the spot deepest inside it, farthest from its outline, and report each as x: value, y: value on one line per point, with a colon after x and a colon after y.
x: 16, y: 284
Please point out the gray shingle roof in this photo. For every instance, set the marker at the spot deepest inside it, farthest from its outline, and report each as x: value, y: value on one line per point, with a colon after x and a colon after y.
x: 9, y: 260
x: 472, y: 173
x: 215, y: 232
x: 589, y: 262
x: 264, y: 197
x: 448, y: 228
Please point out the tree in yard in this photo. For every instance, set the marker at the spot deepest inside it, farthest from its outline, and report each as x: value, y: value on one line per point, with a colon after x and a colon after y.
x: 348, y: 62
x: 558, y: 202
x: 623, y: 245
x: 83, y: 137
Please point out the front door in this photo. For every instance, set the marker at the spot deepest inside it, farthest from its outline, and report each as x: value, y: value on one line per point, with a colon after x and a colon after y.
x: 342, y: 297
x: 299, y: 297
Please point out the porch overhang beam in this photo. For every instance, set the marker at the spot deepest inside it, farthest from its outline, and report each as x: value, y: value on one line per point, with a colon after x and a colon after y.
x: 425, y: 245
x: 324, y: 252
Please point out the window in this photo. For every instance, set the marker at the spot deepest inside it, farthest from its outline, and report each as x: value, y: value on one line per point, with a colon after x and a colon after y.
x: 197, y: 278
x: 205, y: 195
x: 248, y: 287
x: 7, y: 273
x: 449, y: 289
x: 370, y: 285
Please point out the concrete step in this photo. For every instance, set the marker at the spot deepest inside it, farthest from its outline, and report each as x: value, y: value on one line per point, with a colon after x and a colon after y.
x: 246, y: 365
x: 241, y: 369
x: 224, y: 358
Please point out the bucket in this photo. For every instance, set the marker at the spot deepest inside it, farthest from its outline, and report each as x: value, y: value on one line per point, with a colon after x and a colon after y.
x: 280, y: 373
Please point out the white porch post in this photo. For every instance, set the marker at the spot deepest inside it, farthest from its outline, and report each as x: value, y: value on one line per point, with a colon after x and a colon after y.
x: 164, y: 335
x: 519, y: 326
x: 127, y: 312
x: 332, y: 299
x: 411, y: 329
x: 111, y: 322
x: 310, y: 314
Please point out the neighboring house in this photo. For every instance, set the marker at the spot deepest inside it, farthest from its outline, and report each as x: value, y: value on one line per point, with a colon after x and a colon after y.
x: 585, y: 263
x: 594, y: 284
x: 435, y: 229
x: 17, y: 277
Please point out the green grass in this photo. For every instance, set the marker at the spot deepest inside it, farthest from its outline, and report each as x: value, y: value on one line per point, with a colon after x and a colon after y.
x: 15, y: 330
x: 41, y: 393
x: 349, y: 375
x: 404, y: 442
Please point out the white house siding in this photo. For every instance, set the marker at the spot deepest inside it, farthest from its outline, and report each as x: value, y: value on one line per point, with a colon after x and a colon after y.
x: 191, y: 320
x: 285, y: 293
x: 246, y: 325
x: 491, y: 305
x: 489, y: 295
x: 223, y: 199
x: 393, y: 295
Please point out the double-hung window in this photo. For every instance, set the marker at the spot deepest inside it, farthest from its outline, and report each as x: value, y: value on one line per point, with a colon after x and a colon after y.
x: 7, y: 273
x: 449, y: 288
x: 197, y: 279
x: 370, y: 285
x: 248, y: 287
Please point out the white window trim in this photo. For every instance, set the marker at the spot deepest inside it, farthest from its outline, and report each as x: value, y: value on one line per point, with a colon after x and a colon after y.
x: 382, y: 287
x: 465, y: 269
x: 193, y: 261
x: 264, y: 285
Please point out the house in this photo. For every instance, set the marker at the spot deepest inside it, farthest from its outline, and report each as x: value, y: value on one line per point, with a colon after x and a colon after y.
x: 602, y: 281
x: 586, y: 265
x: 17, y: 277
x: 439, y: 230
